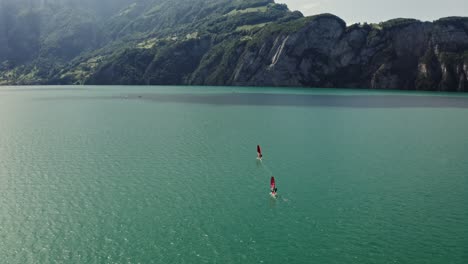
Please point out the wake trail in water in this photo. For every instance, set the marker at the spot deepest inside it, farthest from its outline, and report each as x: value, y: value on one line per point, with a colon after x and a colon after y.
x: 267, y: 168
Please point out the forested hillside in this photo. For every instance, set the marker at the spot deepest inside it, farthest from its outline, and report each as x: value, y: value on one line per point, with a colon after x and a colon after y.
x: 223, y: 42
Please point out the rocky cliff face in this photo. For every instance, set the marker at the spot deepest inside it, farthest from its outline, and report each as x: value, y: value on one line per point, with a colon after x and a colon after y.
x: 399, y: 54
x: 222, y: 42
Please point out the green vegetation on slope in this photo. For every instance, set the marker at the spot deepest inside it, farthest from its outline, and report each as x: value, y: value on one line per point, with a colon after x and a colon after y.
x: 220, y: 42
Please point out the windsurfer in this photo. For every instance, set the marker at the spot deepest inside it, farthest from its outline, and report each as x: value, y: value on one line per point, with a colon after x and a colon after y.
x: 259, y: 152
x: 273, y: 186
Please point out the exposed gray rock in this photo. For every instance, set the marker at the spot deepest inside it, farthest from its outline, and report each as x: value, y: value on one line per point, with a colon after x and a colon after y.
x: 401, y: 54
x: 384, y: 79
x: 317, y: 51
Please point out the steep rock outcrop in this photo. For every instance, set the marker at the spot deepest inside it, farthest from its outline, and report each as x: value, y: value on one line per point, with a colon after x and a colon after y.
x: 222, y: 42
x: 323, y: 52
x: 293, y: 59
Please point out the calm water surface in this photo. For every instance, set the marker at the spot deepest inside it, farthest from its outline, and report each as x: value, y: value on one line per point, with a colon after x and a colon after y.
x: 169, y: 175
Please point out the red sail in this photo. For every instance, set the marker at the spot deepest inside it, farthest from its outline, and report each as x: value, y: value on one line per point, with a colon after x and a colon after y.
x: 272, y: 183
x: 259, y: 151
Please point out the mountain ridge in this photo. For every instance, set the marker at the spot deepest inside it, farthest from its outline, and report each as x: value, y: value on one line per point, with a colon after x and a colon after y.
x: 244, y: 43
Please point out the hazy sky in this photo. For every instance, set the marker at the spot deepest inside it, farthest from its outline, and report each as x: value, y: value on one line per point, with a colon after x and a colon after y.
x: 381, y: 10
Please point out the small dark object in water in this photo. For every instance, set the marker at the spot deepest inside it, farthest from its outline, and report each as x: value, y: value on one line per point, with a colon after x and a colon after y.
x: 139, y: 96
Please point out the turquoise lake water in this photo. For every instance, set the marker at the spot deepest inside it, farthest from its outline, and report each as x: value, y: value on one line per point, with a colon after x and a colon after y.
x: 169, y: 175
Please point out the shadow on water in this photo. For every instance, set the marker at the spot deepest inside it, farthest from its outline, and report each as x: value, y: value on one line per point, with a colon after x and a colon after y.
x: 310, y: 100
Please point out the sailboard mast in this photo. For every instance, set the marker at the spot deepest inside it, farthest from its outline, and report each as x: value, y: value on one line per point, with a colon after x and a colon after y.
x: 259, y: 152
